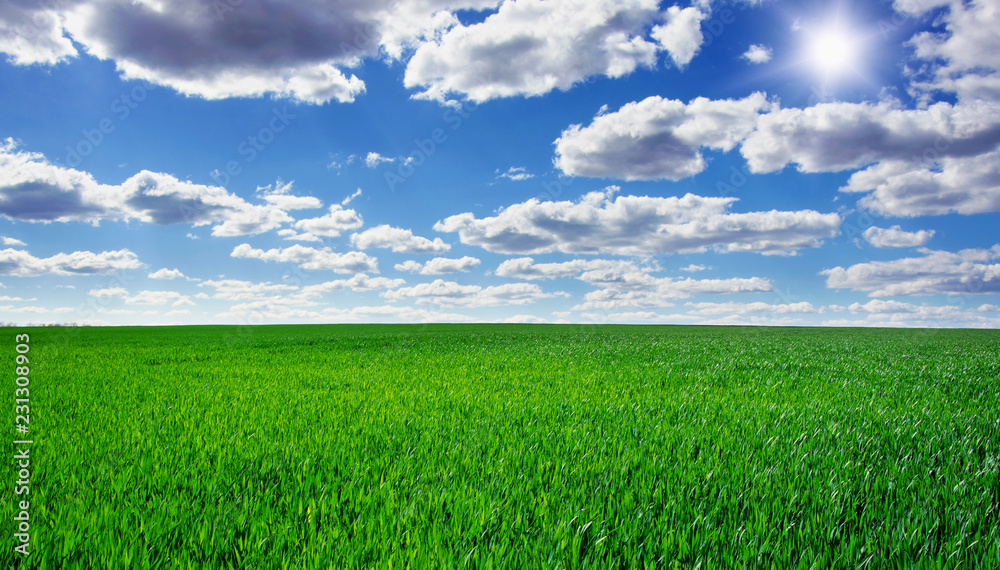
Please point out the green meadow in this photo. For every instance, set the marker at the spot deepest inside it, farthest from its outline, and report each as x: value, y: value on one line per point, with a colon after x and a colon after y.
x: 508, y: 446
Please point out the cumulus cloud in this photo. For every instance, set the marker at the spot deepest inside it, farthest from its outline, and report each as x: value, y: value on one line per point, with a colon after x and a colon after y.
x: 22, y: 264
x: 339, y: 220
x: 292, y: 235
x: 398, y: 239
x: 452, y: 294
x: 896, y: 237
x: 657, y: 138
x: 142, y: 297
x: 969, y: 271
x: 526, y: 268
x: 167, y: 274
x: 4, y: 240
x: 631, y: 317
x: 31, y: 33
x: 964, y: 185
x: 694, y: 268
x: 251, y: 48
x: 172, y: 298
x: 279, y: 194
x: 758, y: 308
x: 635, y: 289
x: 392, y: 313
x: 217, y: 50
x: 439, y: 265
x: 240, y: 290
x: 32, y: 189
x: 831, y: 137
x: 758, y: 54
x: 311, y: 258
x: 681, y: 34
x: 896, y: 313
x: 530, y: 47
x: 963, y: 56
x: 359, y: 282
x: 109, y: 293
x: 640, y: 225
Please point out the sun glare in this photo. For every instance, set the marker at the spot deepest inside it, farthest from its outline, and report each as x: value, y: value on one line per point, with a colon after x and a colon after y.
x: 832, y: 51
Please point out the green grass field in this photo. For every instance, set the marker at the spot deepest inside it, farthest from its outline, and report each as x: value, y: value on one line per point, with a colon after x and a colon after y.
x: 510, y: 446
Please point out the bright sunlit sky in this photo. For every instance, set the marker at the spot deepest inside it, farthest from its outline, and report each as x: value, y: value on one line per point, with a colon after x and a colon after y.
x: 584, y: 161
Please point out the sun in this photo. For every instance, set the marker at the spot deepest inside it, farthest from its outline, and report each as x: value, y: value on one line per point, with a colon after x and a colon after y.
x: 833, y: 51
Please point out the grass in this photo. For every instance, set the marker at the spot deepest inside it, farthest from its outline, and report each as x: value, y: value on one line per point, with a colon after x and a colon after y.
x: 511, y: 446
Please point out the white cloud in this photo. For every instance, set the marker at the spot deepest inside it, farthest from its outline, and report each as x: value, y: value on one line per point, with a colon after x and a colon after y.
x: 640, y: 225
x: 681, y: 34
x: 22, y: 264
x: 167, y: 274
x: 758, y: 54
x: 31, y: 33
x: 391, y: 313
x: 938, y: 272
x: 142, y: 297
x: 694, y: 268
x: 158, y: 298
x: 631, y: 317
x: 32, y: 189
x: 530, y: 47
x: 398, y: 239
x: 439, y: 265
x: 204, y: 48
x: 735, y: 308
x: 274, y: 307
x: 279, y: 196
x: 899, y: 314
x: 11, y: 241
x: 964, y: 185
x: 374, y: 159
x: 292, y: 235
x: 896, y: 237
x: 239, y: 290
x: 523, y: 319
x: 452, y: 294
x: 109, y: 293
x: 339, y: 220
x: 964, y: 56
x: 312, y: 259
x: 657, y: 138
x: 831, y: 137
x: 516, y: 173
x: 352, y: 197
x: 359, y: 282
x: 641, y: 290
x: 526, y: 268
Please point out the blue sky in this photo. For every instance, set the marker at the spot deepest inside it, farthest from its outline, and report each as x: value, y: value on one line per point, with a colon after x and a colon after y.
x: 583, y: 161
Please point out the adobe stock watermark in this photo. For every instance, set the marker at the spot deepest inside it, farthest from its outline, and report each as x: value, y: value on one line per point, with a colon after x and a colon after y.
x: 22, y: 444
x: 121, y: 108
x: 251, y: 147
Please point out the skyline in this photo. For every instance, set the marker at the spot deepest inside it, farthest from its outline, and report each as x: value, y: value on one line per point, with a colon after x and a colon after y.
x: 580, y: 161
